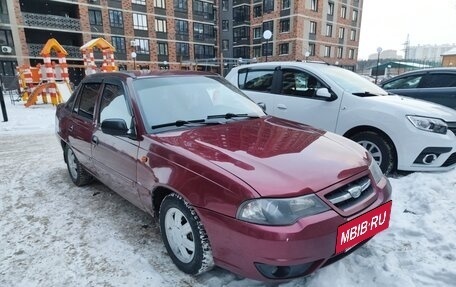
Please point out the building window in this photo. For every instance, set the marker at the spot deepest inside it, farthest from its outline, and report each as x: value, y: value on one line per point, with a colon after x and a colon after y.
x: 203, y: 31
x: 181, y: 27
x: 268, y: 6
x: 203, y: 51
x: 225, y: 25
x: 139, y: 21
x: 313, y: 27
x: 329, y: 30
x: 340, y: 52
x: 142, y: 46
x: 269, y: 25
x: 225, y: 45
x: 267, y: 49
x: 204, y: 8
x: 343, y: 12
x: 115, y: 18
x: 257, y: 11
x: 180, y: 4
x: 284, y: 49
x: 163, y: 49
x: 341, y: 32
x: 351, y: 53
x: 327, y: 51
x: 241, y: 13
x: 353, y: 35
x: 241, y: 33
x: 257, y: 51
x: 311, y: 49
x: 241, y: 52
x: 285, y: 25
x: 119, y: 44
x: 257, y: 33
x: 314, y: 5
x: 355, y: 15
x: 330, y: 8
x: 160, y: 25
x: 95, y: 17
x: 224, y: 5
x: 182, y: 49
x: 285, y: 4
x: 160, y: 4
x: 140, y: 2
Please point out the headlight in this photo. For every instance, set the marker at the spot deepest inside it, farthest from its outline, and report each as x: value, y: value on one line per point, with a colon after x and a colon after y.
x: 429, y: 124
x: 280, y: 211
x: 375, y: 170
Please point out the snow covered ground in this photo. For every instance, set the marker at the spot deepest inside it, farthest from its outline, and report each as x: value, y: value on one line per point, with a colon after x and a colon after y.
x: 55, y: 234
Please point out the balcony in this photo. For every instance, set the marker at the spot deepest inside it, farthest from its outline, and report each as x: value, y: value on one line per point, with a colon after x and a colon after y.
x: 51, y: 21
x: 73, y: 52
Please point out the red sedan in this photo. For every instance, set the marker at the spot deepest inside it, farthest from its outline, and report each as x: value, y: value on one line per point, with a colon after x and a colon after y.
x: 263, y: 197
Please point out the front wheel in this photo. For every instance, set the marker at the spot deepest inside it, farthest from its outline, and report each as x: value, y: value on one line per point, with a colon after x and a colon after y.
x: 380, y: 149
x: 184, y: 236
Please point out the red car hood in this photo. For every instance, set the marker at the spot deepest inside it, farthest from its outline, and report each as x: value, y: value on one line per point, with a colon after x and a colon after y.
x: 276, y: 157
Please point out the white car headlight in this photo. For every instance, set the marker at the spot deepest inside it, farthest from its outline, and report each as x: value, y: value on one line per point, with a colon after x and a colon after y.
x: 375, y: 170
x: 280, y: 211
x: 429, y: 124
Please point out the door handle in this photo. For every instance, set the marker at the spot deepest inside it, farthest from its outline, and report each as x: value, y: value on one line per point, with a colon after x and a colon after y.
x: 281, y: 107
x: 95, y: 140
x: 70, y: 128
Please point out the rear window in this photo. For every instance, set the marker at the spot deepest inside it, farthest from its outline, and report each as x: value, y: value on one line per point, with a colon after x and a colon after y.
x: 439, y: 81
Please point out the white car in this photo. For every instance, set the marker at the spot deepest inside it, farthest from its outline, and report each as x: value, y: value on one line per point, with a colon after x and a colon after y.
x: 401, y: 133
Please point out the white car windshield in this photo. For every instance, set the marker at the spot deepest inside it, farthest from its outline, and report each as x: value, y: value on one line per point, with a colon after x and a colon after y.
x: 352, y: 82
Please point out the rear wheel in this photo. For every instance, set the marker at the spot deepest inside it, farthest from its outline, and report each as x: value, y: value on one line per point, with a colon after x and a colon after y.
x: 380, y: 149
x: 78, y: 174
x: 184, y: 236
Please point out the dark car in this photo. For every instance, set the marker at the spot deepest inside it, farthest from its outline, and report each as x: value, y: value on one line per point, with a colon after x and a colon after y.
x: 436, y: 85
x: 266, y: 198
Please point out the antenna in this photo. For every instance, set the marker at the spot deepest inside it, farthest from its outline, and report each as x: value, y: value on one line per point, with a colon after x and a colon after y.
x: 406, y: 47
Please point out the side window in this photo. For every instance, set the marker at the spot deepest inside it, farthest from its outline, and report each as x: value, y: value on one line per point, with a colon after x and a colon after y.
x: 113, y: 105
x: 409, y: 82
x: 87, y: 98
x: 260, y: 81
x: 299, y: 83
x: 439, y: 81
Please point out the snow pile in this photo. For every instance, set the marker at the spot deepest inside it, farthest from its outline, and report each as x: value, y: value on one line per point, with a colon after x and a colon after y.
x: 53, y: 233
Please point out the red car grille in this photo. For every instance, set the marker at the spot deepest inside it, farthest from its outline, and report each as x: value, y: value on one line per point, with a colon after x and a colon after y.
x: 351, y: 196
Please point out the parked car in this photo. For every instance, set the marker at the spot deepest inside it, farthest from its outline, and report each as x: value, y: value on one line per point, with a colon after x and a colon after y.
x: 436, y: 85
x: 266, y: 198
x: 400, y: 133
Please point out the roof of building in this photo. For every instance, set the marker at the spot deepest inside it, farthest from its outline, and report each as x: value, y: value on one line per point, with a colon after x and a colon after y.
x: 402, y: 64
x: 450, y: 52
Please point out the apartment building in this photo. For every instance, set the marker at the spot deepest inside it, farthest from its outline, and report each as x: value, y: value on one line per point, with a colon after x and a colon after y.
x: 181, y: 34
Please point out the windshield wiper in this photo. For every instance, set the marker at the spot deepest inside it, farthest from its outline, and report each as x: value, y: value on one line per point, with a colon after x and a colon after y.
x: 178, y: 123
x: 232, y: 115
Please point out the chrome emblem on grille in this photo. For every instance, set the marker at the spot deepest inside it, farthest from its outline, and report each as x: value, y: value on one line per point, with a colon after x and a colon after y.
x: 356, y: 191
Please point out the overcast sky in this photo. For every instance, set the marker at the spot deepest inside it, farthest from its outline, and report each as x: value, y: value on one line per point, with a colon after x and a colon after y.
x: 386, y: 23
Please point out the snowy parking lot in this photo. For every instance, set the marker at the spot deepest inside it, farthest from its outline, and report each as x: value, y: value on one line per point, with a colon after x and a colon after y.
x: 53, y: 233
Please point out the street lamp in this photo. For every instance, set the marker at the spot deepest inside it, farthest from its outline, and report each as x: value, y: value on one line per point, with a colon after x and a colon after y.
x: 267, y: 35
x: 133, y: 55
x: 379, y: 50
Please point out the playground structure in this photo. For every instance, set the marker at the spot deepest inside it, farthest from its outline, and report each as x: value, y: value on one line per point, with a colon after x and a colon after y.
x: 50, y: 81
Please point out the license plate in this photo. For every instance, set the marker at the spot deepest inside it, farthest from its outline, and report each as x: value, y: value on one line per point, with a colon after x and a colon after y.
x: 363, y: 227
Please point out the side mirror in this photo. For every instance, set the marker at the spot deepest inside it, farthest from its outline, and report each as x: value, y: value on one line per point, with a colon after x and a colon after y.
x: 262, y: 106
x: 115, y: 127
x: 324, y: 93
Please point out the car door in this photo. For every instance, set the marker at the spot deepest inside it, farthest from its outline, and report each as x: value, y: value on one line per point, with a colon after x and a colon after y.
x: 81, y: 124
x: 298, y: 99
x: 115, y: 156
x: 438, y: 87
x: 260, y: 85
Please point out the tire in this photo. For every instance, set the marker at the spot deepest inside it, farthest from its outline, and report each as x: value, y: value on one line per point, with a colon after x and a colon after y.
x: 78, y: 174
x: 380, y: 149
x: 184, y: 236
